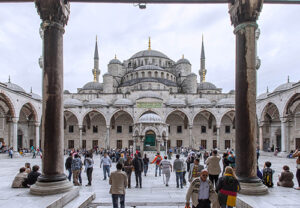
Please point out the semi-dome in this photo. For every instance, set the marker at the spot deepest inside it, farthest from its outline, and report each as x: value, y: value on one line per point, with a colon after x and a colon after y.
x: 98, y: 102
x: 226, y: 102
x: 35, y: 96
x: 14, y: 87
x: 149, y: 53
x: 72, y: 103
x: 123, y: 102
x: 183, y: 61
x: 262, y: 96
x: 93, y: 86
x: 115, y: 61
x: 149, y: 67
x: 200, y: 101
x: 176, y: 102
x: 283, y: 87
x: 206, y: 86
x: 150, y: 118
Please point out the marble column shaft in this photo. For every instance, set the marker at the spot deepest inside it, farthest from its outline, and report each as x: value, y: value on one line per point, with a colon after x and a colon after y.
x: 283, y: 136
x: 15, y: 134
x: 107, y: 139
x: 218, y: 138
x: 190, y: 136
x: 80, y: 136
x: 37, y: 135
x: 261, y: 141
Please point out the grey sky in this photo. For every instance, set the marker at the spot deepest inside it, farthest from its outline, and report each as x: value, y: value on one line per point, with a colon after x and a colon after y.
x: 123, y: 29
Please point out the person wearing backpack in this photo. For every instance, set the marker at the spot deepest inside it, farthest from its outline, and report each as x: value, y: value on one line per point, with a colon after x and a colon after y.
x: 157, y: 161
x: 88, y: 163
x: 138, y: 165
x: 268, y: 174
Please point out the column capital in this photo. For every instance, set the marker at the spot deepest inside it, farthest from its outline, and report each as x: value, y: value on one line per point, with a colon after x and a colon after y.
x: 15, y: 119
x: 53, y: 12
x: 37, y: 124
x: 244, y: 11
x: 80, y: 127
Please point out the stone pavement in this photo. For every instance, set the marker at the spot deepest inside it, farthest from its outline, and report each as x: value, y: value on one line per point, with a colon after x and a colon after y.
x: 153, y: 194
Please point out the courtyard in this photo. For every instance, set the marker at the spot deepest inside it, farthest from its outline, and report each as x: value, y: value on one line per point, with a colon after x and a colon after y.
x: 153, y: 194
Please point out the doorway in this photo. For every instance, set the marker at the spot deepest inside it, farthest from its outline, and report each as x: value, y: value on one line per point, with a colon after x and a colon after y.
x: 150, y: 141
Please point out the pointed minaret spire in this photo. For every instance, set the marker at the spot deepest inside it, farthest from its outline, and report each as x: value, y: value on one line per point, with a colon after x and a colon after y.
x: 8, y: 78
x: 202, y: 71
x: 288, y: 80
x: 96, y: 71
x: 149, y: 44
x: 30, y: 89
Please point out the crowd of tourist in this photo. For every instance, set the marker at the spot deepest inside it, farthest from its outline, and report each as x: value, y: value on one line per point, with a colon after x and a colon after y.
x: 209, y: 184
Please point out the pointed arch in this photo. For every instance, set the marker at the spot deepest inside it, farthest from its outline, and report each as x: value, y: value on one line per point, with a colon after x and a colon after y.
x: 8, y: 102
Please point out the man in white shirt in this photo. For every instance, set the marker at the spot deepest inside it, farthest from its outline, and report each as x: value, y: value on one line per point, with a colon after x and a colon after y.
x: 166, y: 167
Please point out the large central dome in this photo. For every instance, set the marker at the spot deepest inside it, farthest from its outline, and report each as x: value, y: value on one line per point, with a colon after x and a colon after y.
x: 149, y: 53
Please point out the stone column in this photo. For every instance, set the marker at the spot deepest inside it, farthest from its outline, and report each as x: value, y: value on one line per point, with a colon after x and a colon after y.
x: 142, y: 145
x: 261, y: 141
x: 218, y: 138
x: 37, y: 135
x: 54, y: 15
x: 107, y: 140
x: 158, y: 144
x: 243, y: 16
x: 190, y: 136
x: 15, y: 134
x: 134, y: 145
x: 80, y: 136
x: 166, y: 150
x: 283, y: 136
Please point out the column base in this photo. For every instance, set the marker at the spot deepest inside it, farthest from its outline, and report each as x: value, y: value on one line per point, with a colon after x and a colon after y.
x: 49, y: 188
x: 257, y: 188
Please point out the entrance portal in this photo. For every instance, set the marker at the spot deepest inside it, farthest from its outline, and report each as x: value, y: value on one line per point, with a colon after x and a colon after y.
x: 149, y: 143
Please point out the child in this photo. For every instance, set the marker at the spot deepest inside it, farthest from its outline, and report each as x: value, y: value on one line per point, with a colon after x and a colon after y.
x: 268, y: 174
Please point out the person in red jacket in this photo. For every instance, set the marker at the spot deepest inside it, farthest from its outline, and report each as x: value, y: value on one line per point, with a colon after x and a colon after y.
x: 157, y: 161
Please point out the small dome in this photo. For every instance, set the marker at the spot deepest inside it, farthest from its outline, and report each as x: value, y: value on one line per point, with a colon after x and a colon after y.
x: 35, y: 96
x: 115, y: 61
x: 97, y: 103
x: 285, y: 86
x: 72, y: 103
x: 123, y: 102
x: 226, y: 102
x: 150, y: 118
x: 67, y: 92
x: 92, y: 86
x: 200, y: 101
x: 14, y: 87
x: 183, y: 61
x: 206, y: 86
x: 150, y: 95
x: 262, y: 96
x: 149, y: 53
x: 149, y: 67
x: 176, y: 102
x: 232, y: 92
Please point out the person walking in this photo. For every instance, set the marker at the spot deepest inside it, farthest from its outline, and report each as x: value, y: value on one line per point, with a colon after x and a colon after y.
x: 157, y: 161
x: 227, y: 188
x: 213, y: 167
x: 178, y: 168
x: 128, y: 166
x: 118, y: 182
x: 201, y: 191
x: 166, y: 167
x: 76, y: 167
x: 297, y: 154
x: 146, y: 164
x: 88, y: 163
x: 68, y: 164
x: 106, y: 161
x: 138, y: 165
x: 195, y: 170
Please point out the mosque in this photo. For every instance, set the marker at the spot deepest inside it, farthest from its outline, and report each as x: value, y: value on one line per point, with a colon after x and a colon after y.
x: 150, y: 102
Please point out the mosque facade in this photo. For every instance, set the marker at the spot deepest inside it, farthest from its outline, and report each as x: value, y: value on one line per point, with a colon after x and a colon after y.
x: 150, y: 102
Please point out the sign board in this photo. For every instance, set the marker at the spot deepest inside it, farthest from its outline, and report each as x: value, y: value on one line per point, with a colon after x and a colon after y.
x: 148, y: 105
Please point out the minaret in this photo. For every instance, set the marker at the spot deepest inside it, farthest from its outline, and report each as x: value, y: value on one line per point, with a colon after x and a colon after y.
x: 202, y: 71
x: 149, y: 44
x: 96, y: 71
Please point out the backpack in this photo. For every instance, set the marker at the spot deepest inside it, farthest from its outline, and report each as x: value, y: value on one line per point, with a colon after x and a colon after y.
x: 268, y: 177
x: 158, y: 160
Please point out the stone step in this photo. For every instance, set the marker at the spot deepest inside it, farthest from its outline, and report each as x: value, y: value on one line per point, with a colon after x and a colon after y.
x: 61, y: 201
x: 140, y: 204
x: 82, y: 200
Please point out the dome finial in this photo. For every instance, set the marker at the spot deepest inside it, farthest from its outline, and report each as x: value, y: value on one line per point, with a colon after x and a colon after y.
x: 30, y: 89
x: 115, y: 56
x: 267, y: 89
x: 182, y: 56
x: 288, y: 80
x: 8, y: 78
x: 149, y: 44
